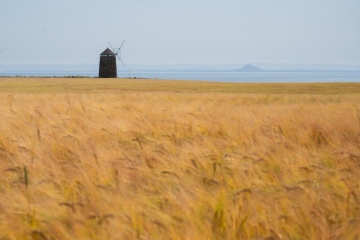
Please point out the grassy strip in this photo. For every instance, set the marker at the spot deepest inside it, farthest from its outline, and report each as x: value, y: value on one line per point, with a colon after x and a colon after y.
x: 43, y: 85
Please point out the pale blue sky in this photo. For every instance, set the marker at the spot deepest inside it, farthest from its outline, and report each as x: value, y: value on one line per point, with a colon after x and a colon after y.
x: 181, y: 32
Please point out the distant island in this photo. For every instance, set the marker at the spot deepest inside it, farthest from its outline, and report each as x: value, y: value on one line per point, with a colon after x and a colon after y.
x: 250, y: 68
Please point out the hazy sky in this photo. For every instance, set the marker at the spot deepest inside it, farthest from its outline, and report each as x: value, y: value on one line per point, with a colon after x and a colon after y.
x: 181, y: 32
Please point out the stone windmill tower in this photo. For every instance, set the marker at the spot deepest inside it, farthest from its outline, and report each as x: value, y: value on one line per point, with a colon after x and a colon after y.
x: 107, y: 66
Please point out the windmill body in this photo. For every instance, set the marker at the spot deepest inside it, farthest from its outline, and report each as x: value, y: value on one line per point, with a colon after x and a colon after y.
x: 107, y: 67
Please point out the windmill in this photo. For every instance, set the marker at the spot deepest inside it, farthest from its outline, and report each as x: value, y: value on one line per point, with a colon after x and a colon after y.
x: 107, y: 66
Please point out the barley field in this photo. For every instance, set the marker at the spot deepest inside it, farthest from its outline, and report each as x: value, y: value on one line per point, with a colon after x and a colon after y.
x: 146, y: 159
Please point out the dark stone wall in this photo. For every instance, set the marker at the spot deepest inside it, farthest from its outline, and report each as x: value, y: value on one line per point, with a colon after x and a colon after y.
x: 107, y: 67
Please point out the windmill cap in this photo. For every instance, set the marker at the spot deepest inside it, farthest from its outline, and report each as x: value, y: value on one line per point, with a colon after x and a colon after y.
x: 107, y: 52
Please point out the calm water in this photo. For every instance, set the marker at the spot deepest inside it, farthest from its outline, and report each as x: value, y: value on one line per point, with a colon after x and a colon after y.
x: 221, y: 76
x: 230, y: 76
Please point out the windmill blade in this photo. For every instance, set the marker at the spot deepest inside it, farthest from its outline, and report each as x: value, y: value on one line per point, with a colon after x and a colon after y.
x: 121, y: 61
x: 111, y: 47
x: 122, y: 44
x: 119, y: 49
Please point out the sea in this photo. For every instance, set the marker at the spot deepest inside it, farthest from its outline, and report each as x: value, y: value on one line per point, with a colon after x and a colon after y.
x: 233, y: 76
x: 204, y: 75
